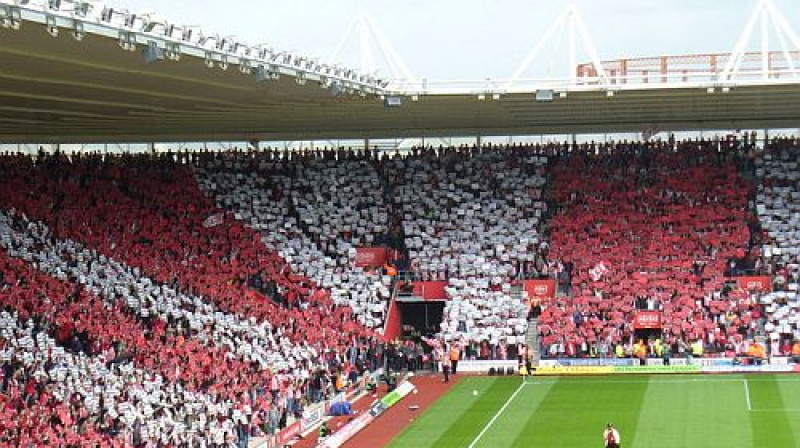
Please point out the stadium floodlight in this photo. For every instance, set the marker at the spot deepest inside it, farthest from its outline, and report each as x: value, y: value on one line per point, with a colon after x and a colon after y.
x: 245, y: 67
x: 223, y: 63
x: 186, y: 36
x: 496, y: 96
x: 127, y: 40
x: 78, y: 32
x: 710, y: 90
x: 609, y: 93
x: 173, y: 52
x: 726, y: 89
x: 481, y: 97
x: 107, y: 15
x: 10, y: 17
x: 264, y: 74
x: 130, y: 20
x: 209, y: 59
x: 52, y: 26
x: 226, y: 44
x: 264, y: 52
x: 81, y: 8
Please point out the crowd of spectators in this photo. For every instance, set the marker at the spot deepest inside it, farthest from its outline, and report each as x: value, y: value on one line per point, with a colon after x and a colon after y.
x: 778, y: 206
x: 469, y: 216
x: 131, y: 268
x: 472, y: 216
x: 314, y: 211
x: 649, y: 226
x: 200, y: 299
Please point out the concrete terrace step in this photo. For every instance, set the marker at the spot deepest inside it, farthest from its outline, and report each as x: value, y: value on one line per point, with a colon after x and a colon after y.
x: 532, y: 339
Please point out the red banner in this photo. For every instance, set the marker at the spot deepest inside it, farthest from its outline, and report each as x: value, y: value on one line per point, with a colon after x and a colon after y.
x: 288, y: 434
x: 431, y: 290
x: 371, y: 256
x: 647, y: 320
x: 540, y: 289
x: 751, y: 283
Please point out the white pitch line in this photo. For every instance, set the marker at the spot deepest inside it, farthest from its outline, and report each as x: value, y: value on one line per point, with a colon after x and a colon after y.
x: 747, y: 395
x: 497, y: 414
x: 663, y: 381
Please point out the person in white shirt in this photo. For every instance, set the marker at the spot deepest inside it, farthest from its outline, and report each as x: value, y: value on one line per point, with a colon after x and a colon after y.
x: 611, y: 437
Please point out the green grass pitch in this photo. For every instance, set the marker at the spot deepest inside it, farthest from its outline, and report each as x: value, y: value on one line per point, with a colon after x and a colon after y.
x: 730, y: 411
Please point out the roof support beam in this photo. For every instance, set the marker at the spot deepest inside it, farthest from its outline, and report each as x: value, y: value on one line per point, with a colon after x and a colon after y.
x: 569, y: 20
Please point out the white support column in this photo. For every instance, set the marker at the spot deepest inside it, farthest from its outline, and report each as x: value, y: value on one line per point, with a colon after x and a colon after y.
x: 367, y: 61
x: 785, y: 31
x: 732, y: 66
x: 764, y: 43
x: 343, y: 41
x: 588, y: 44
x: 388, y: 50
x: 569, y: 20
x: 539, y: 46
x: 573, y: 60
x: 371, y: 39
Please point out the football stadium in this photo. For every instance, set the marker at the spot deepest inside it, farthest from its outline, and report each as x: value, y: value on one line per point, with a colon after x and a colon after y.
x: 206, y: 242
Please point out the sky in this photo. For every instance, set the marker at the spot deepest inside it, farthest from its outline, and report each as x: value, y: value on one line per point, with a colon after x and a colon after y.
x: 473, y: 39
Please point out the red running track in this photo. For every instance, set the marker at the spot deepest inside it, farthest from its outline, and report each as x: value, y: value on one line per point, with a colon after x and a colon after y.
x: 396, y: 419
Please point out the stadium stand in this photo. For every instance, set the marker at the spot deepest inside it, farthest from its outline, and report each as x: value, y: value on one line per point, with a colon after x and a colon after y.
x: 149, y: 213
x: 652, y: 226
x: 124, y: 315
x: 314, y: 212
x: 778, y: 205
x: 158, y: 269
x: 473, y: 217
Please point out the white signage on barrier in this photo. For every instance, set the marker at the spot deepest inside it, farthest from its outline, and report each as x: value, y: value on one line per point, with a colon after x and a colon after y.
x: 312, y: 416
x: 480, y: 366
